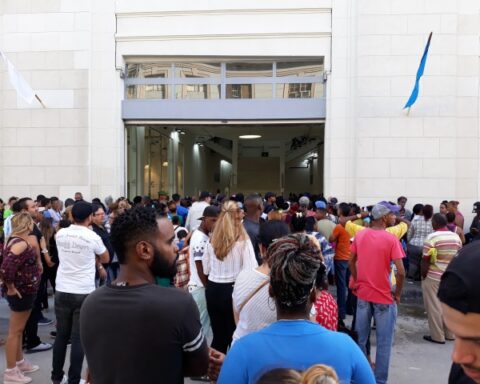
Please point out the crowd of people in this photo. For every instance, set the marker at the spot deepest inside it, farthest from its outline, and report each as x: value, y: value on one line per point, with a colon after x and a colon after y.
x: 148, y: 283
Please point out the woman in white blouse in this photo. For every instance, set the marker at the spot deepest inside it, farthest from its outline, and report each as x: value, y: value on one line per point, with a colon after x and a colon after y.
x: 228, y: 252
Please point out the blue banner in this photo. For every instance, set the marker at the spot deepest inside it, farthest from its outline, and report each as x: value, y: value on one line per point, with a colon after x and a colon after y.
x: 421, y: 68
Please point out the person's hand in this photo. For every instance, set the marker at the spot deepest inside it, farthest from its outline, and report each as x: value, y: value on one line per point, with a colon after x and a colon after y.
x: 474, y: 231
x: 13, y: 292
x: 396, y: 297
x: 102, y: 272
x: 40, y: 268
x: 216, y: 359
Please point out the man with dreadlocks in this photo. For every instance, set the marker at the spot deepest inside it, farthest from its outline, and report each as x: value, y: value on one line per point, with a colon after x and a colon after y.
x: 293, y: 341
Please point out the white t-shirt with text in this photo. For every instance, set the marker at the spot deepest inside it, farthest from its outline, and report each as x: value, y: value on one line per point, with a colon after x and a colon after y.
x: 77, y: 247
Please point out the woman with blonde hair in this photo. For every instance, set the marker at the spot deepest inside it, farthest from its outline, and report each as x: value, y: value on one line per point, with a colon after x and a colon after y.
x: 20, y: 274
x: 320, y: 374
x: 228, y: 253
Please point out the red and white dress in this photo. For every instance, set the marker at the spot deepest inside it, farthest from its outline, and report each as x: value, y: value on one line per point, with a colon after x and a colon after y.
x: 327, y: 310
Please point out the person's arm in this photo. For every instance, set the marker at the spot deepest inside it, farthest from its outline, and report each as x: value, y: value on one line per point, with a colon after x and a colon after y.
x: 103, y: 257
x: 343, y: 220
x: 201, y: 275
x: 400, y: 277
x: 410, y: 233
x: 216, y: 360
x: 425, y: 263
x: 461, y: 234
x: 334, y: 235
x: 46, y: 254
x: 33, y: 241
x: 352, y: 265
x: 10, y: 267
x: 101, y: 251
x: 403, y: 220
x: 398, y: 230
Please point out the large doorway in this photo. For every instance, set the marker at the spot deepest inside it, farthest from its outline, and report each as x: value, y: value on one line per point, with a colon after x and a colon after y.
x: 186, y: 158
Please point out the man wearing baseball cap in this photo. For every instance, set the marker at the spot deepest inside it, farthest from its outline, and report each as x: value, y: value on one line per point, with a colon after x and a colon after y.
x: 459, y: 292
x: 372, y: 253
x: 198, y: 281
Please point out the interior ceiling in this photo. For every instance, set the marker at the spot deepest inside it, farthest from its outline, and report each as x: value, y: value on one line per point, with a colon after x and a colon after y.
x: 269, y: 132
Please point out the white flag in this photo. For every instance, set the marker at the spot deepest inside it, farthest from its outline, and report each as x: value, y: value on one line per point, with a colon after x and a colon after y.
x: 18, y: 82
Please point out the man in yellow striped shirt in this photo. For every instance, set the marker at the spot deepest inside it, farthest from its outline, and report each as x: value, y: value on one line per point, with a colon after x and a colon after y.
x: 439, y: 248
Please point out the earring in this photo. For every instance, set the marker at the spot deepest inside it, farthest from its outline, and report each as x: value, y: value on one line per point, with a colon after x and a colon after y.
x: 270, y: 305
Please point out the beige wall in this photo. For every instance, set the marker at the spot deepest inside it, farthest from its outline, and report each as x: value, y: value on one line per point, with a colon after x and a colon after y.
x: 64, y: 49
x: 374, y: 150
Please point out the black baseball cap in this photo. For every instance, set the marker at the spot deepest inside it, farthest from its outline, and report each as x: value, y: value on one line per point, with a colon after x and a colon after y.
x: 81, y: 210
x: 210, y: 211
x: 460, y: 284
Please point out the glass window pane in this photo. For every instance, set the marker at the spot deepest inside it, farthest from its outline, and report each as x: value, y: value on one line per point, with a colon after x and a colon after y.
x: 200, y: 70
x: 300, y: 69
x: 148, y: 70
x: 197, y: 91
x: 300, y: 91
x: 249, y: 69
x: 249, y: 91
x: 147, y: 91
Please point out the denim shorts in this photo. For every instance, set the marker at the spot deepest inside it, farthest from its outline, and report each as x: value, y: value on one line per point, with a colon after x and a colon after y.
x: 20, y: 305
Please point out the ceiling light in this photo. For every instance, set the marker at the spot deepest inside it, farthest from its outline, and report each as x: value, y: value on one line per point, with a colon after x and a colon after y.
x: 249, y: 137
x: 165, y: 164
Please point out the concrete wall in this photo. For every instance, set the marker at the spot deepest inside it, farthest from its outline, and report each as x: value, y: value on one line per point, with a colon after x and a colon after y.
x: 64, y: 49
x: 374, y: 150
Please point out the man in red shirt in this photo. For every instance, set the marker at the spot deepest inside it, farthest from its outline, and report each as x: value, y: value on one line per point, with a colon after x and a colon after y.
x: 372, y: 253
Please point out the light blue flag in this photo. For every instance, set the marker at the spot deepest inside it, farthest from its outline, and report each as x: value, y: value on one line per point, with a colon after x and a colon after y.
x: 421, y: 68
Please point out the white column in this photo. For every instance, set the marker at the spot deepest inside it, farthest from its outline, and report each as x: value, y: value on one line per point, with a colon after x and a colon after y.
x: 282, y: 167
x: 172, y: 163
x: 233, y: 184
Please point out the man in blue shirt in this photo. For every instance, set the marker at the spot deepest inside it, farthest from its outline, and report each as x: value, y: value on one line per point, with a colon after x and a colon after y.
x: 181, y: 210
x: 293, y: 341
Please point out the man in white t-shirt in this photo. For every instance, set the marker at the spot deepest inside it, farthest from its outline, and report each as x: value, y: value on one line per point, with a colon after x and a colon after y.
x: 78, y: 249
x: 198, y: 280
x: 196, y: 210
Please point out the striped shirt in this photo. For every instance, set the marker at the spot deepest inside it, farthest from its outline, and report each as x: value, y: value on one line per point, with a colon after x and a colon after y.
x: 419, y: 230
x: 240, y: 257
x: 440, y: 248
x: 256, y: 313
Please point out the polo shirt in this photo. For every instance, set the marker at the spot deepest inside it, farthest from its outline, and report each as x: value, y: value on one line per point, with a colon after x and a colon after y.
x: 294, y: 344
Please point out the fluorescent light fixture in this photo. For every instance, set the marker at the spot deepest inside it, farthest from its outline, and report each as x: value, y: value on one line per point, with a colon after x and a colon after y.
x: 249, y: 137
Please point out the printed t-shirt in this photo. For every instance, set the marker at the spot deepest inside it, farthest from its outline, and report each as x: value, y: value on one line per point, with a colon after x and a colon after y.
x: 77, y: 248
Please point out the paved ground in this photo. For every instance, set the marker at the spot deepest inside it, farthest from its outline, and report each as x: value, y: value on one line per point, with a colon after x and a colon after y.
x: 413, y: 360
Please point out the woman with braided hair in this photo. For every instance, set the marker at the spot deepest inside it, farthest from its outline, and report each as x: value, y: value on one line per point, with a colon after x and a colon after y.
x: 293, y: 342
x: 229, y: 252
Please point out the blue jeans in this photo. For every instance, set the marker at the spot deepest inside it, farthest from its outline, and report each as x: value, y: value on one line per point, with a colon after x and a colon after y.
x: 385, y: 316
x: 341, y: 268
x: 67, y: 310
x: 198, y: 294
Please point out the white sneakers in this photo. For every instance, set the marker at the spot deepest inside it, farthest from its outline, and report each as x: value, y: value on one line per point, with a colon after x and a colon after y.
x: 16, y: 375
